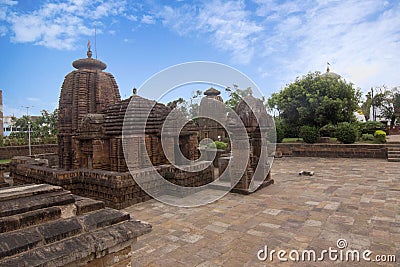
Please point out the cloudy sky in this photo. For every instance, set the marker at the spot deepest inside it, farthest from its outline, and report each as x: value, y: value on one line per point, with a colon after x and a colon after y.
x: 270, y: 41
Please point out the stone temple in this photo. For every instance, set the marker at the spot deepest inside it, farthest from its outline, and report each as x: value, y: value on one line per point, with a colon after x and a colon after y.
x: 87, y: 90
x: 90, y: 142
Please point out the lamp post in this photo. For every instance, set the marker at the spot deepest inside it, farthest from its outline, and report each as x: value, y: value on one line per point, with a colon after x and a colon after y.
x: 29, y: 138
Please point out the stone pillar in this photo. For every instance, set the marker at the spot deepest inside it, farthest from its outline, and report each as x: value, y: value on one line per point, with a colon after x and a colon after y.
x: 101, y: 151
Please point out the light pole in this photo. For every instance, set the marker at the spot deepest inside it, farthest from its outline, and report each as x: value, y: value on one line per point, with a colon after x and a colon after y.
x: 372, y: 103
x: 29, y: 130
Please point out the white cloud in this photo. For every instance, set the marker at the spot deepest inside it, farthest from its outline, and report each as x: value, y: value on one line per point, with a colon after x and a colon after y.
x: 229, y: 24
x: 132, y: 17
x: 8, y: 2
x: 60, y: 24
x: 292, y: 37
x: 360, y: 38
x: 33, y: 99
x: 147, y: 19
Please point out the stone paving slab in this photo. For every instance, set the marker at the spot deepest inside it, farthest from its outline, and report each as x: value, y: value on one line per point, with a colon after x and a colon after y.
x: 352, y: 199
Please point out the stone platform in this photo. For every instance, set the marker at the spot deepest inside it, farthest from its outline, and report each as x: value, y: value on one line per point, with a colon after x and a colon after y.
x: 45, y: 225
x: 353, y: 199
x: 117, y: 189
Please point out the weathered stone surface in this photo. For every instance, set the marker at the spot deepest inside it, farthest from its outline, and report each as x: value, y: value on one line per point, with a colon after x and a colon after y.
x: 116, y: 189
x: 52, y: 237
x: 7, y: 152
x: 85, y: 205
x: 58, y: 230
x: 84, y: 91
x: 102, y: 218
x: 25, y: 219
x: 27, y: 190
x: 16, y: 242
x: 251, y: 112
x: 333, y: 150
x: 24, y: 204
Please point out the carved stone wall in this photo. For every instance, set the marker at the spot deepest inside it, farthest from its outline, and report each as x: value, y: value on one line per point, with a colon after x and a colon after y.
x: 86, y: 90
x: 117, y: 189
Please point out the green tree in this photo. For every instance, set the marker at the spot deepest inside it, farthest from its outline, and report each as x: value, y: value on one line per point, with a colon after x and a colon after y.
x: 316, y: 100
x: 44, y: 126
x: 189, y: 108
x: 388, y: 102
x: 366, y: 106
x: 47, y: 123
x: 236, y: 95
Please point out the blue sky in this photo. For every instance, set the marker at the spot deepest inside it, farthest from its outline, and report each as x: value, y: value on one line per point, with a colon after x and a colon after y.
x: 270, y: 41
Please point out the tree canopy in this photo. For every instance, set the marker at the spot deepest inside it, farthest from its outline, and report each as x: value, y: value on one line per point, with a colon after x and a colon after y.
x: 388, y: 103
x: 236, y: 95
x: 42, y: 127
x: 316, y: 100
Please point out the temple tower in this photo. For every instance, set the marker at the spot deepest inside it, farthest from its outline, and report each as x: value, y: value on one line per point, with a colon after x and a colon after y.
x: 86, y: 90
x: 212, y: 106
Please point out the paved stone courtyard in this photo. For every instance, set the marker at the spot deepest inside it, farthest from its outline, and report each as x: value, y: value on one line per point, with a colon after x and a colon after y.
x: 353, y: 199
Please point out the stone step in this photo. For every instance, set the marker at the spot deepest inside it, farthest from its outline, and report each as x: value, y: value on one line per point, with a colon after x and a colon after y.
x: 11, y: 223
x: 393, y: 143
x: 27, y: 190
x: 394, y: 159
x: 15, y: 242
x: 82, y: 246
x: 102, y: 218
x: 25, y: 204
x: 85, y: 205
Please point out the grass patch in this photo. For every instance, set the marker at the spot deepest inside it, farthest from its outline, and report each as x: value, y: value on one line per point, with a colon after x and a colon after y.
x: 4, y: 161
x: 292, y: 140
x: 300, y: 140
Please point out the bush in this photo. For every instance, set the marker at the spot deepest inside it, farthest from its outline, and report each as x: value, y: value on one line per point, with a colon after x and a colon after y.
x: 346, y: 133
x: 380, y: 136
x: 309, y: 134
x: 218, y: 145
x: 370, y: 127
x: 290, y: 131
x: 367, y: 137
x: 328, y: 130
x: 277, y: 135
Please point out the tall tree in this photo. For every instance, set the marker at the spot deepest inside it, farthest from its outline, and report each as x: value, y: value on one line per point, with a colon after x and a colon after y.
x: 236, y: 95
x: 316, y: 100
x: 366, y: 106
x: 43, y: 126
x: 388, y: 102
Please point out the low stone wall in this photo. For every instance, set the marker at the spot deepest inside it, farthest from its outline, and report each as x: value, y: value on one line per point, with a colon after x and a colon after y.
x: 8, y: 152
x: 333, y: 150
x: 117, y: 190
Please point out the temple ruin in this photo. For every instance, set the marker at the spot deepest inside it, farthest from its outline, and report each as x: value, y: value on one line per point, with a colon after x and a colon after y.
x: 90, y: 143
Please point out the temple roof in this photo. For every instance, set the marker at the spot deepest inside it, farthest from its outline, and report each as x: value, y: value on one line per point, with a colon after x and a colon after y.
x: 212, y: 91
x: 89, y: 63
x: 328, y: 73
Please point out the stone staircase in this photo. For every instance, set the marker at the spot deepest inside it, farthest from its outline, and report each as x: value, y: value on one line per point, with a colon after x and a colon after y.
x: 393, y: 148
x: 45, y: 225
x: 393, y: 151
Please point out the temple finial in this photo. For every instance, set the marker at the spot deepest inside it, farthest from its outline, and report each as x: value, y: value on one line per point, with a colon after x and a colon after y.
x: 89, y: 52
